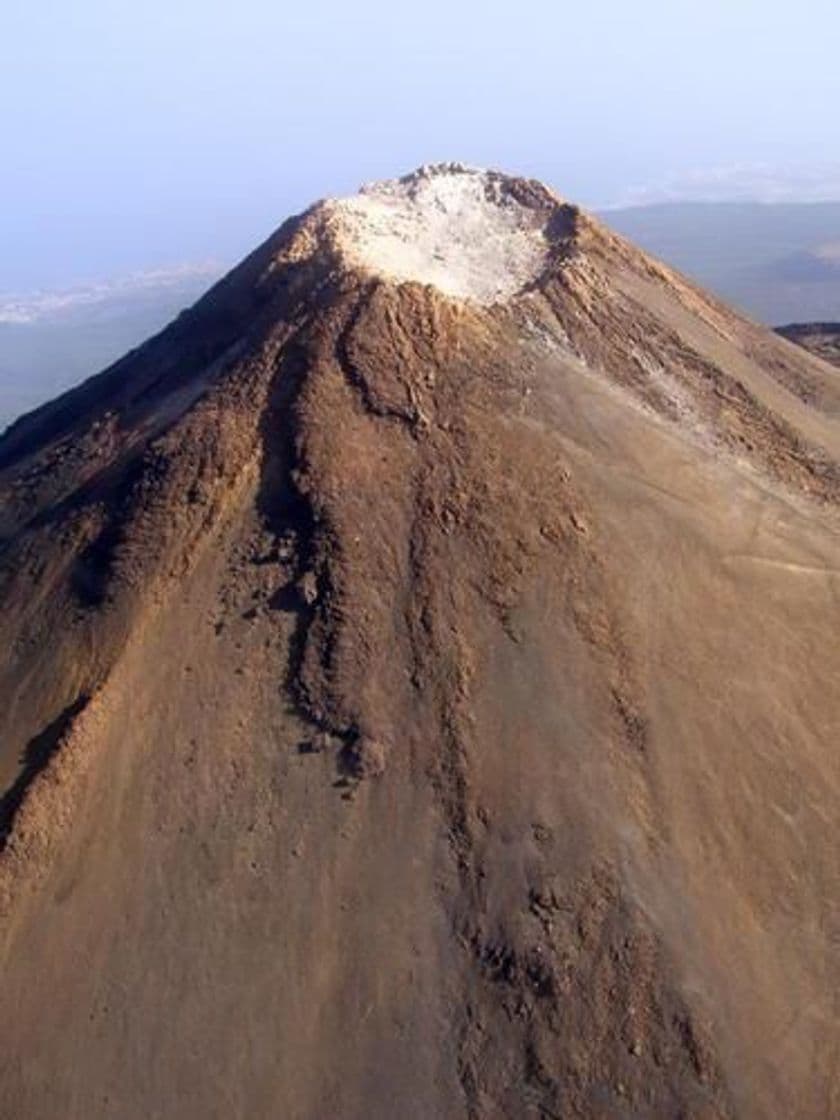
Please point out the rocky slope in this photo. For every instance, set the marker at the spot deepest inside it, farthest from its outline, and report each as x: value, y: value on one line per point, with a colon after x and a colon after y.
x: 419, y: 690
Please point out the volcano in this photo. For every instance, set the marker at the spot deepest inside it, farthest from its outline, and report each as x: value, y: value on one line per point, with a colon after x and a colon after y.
x: 419, y: 690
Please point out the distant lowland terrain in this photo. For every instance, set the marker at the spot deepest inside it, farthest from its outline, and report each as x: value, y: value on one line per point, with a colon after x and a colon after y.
x: 50, y: 341
x: 778, y: 262
x: 822, y: 339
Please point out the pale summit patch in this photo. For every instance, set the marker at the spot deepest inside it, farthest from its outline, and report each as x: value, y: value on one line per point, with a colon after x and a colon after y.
x: 462, y: 230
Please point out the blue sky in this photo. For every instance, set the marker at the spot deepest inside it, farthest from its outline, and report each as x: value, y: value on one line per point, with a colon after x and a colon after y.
x: 138, y: 135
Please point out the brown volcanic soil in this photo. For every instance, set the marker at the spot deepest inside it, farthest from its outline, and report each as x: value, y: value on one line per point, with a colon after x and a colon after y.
x: 417, y: 708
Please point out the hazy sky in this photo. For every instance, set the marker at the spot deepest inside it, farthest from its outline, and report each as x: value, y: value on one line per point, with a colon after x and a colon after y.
x: 137, y: 134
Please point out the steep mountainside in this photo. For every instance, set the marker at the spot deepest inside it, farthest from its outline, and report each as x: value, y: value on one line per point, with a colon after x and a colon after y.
x: 419, y: 690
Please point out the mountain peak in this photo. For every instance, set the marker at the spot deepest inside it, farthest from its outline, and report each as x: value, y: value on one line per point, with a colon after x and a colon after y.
x: 472, y: 234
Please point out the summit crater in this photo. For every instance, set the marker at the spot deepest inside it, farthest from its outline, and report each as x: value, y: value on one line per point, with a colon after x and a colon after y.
x: 472, y: 234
